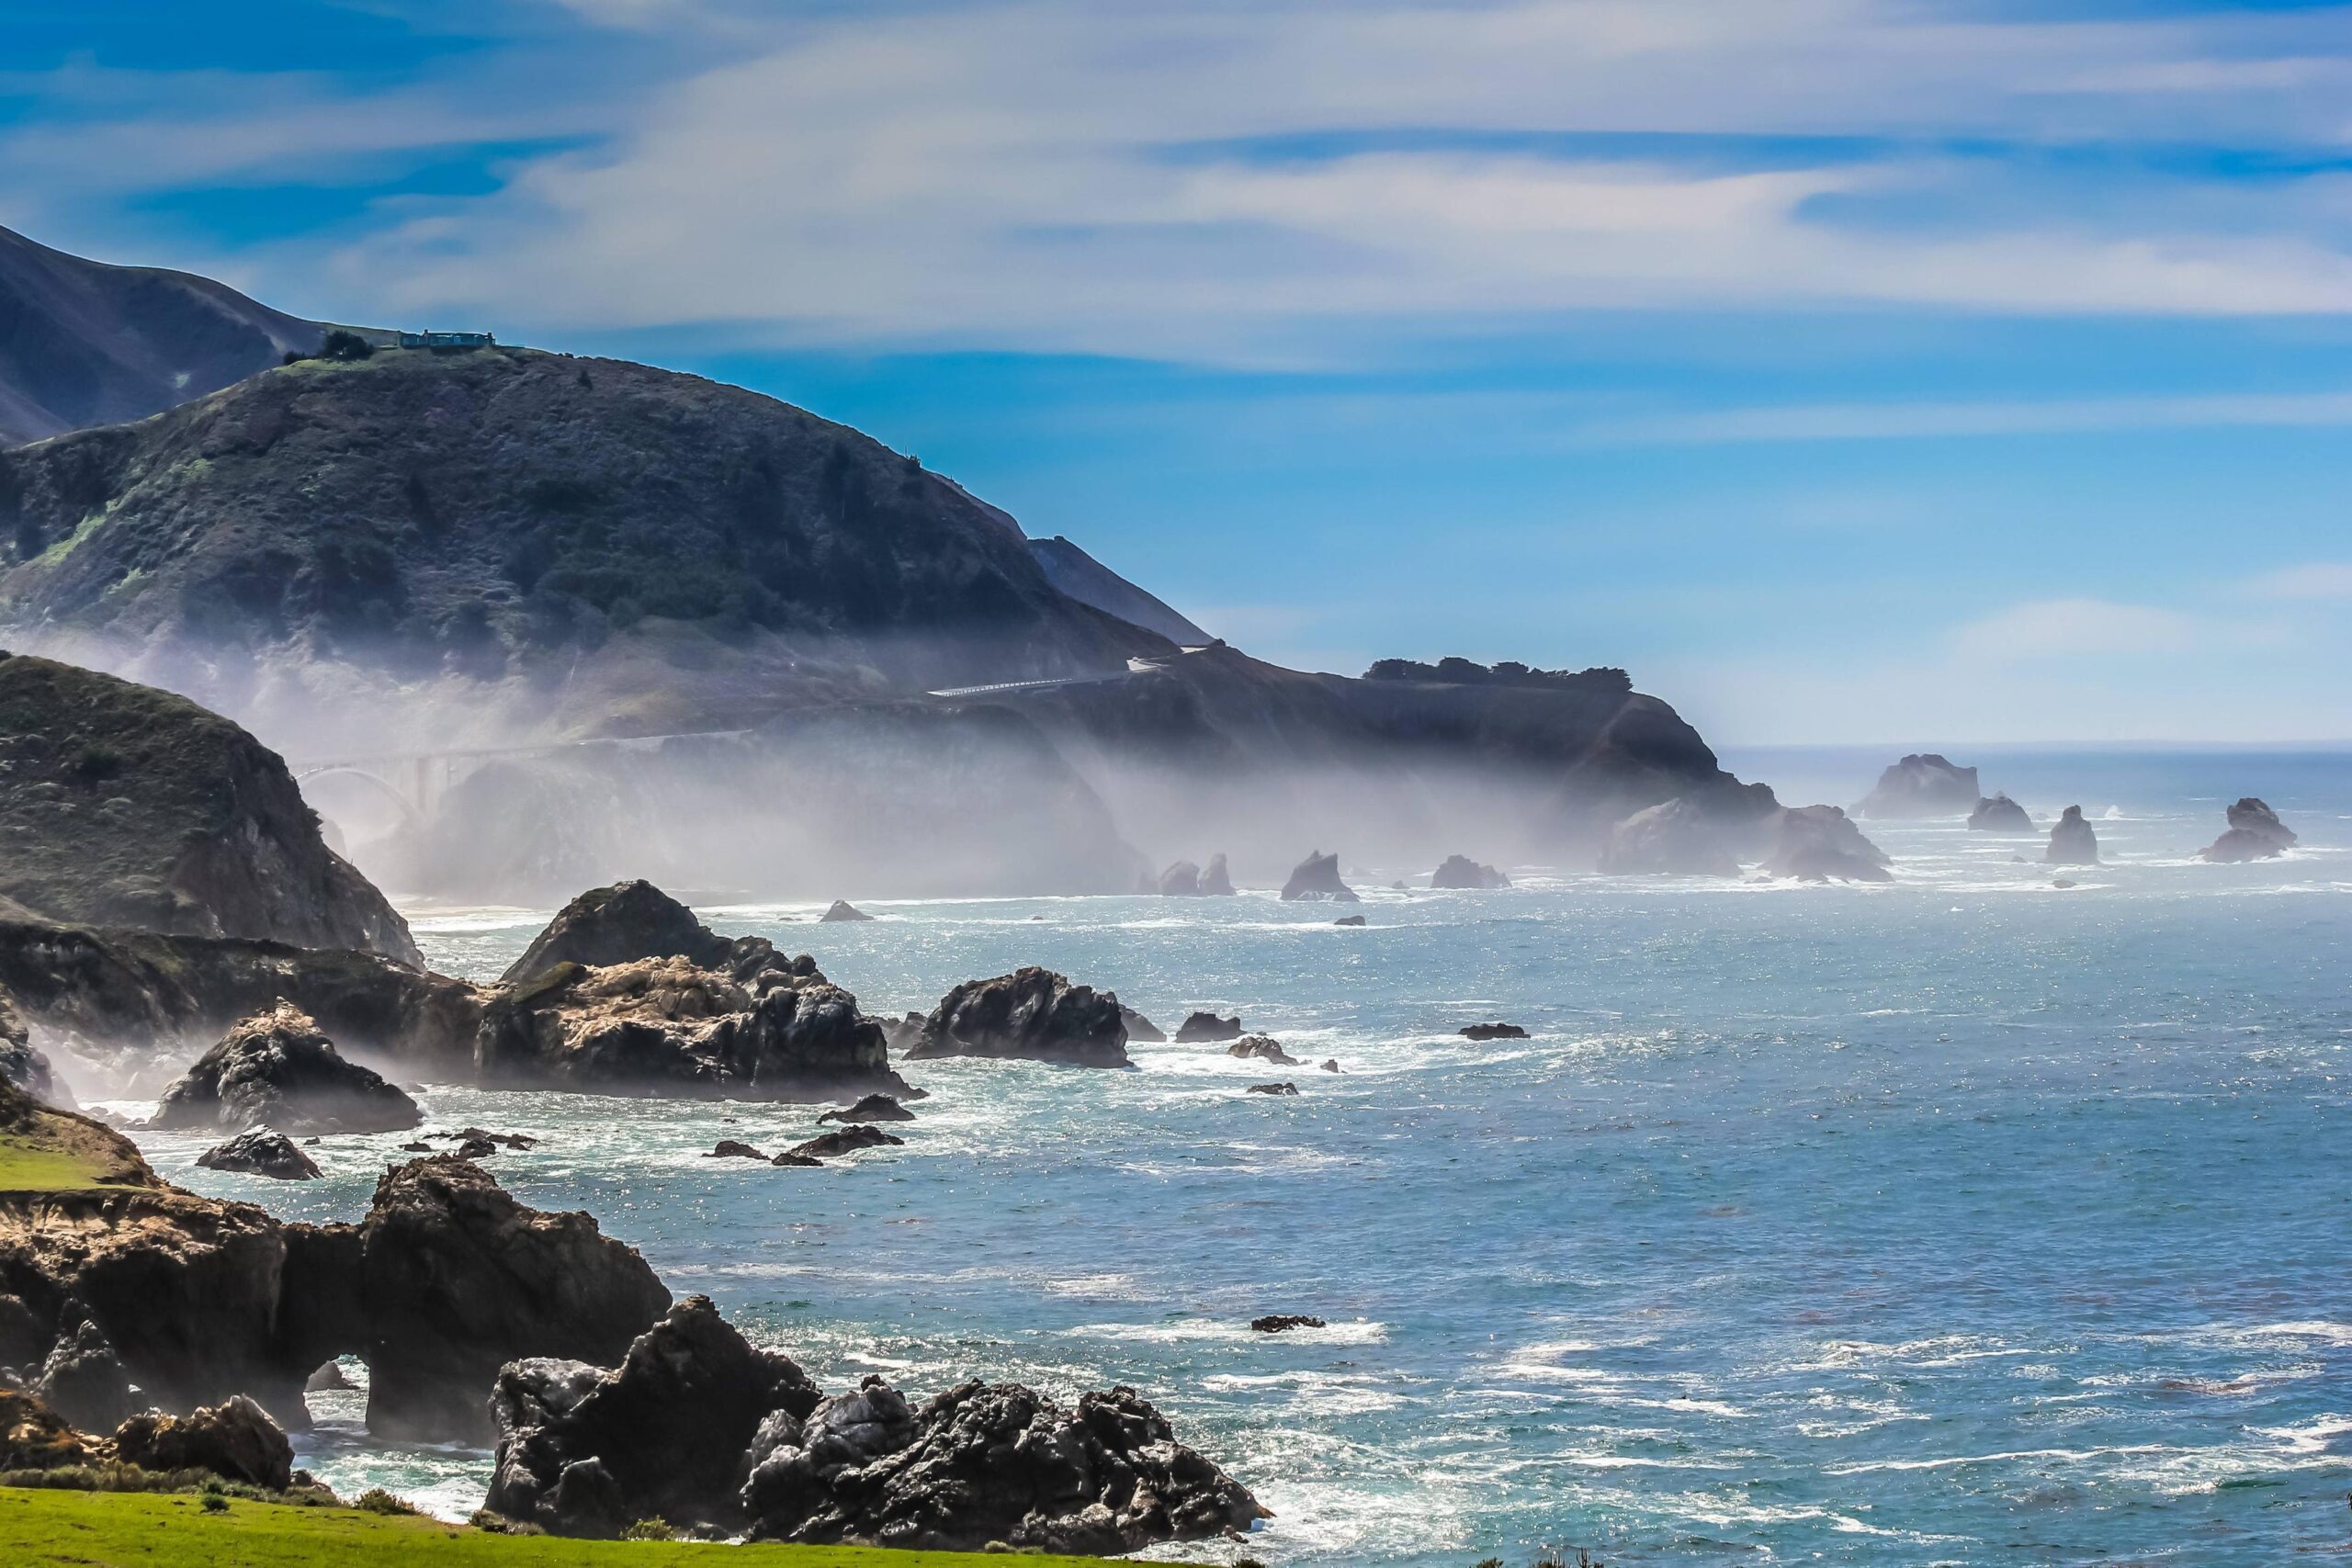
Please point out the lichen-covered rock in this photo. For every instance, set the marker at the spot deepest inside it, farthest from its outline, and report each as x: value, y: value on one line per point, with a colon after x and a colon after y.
x: 1818, y: 844
x: 631, y: 920
x: 1033, y: 1014
x: 1675, y: 837
x: 278, y: 1070
x: 235, y: 1439
x: 1999, y: 814
x: 1205, y: 1027
x: 261, y: 1153
x: 1463, y: 873
x: 2254, y: 833
x: 2073, y: 840
x: 1317, y: 878
x: 1922, y: 785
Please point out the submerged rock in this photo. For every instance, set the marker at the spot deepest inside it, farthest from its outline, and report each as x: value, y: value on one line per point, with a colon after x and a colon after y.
x: 730, y: 1148
x: 1289, y: 1090
x: 2073, y: 840
x: 1349, y: 921
x: 842, y: 912
x: 1461, y: 872
x: 1922, y: 785
x: 260, y: 1153
x: 1033, y: 1014
x: 1263, y: 1048
x: 873, y: 1108
x: 1201, y: 1026
x: 2254, y: 833
x: 278, y: 1070
x: 235, y: 1439
x: 1999, y: 814
x: 1676, y: 838
x: 1818, y: 844
x: 848, y: 1141
x: 1317, y: 878
x: 1493, y: 1031
x: 1216, y: 881
x: 1329, y: 1064
x: 1283, y: 1322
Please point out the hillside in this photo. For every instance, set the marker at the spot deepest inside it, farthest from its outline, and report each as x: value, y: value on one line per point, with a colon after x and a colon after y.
x: 83, y: 344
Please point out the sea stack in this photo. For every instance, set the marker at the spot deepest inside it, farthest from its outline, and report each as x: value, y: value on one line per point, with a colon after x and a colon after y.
x: 2254, y: 833
x: 1820, y: 843
x: 1999, y: 814
x: 1216, y: 881
x: 1675, y: 837
x: 2072, y: 842
x: 1317, y: 878
x: 1461, y: 872
x: 1921, y: 785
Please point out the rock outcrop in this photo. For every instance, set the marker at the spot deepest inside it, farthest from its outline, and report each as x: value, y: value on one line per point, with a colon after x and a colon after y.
x: 125, y: 805
x: 1206, y: 1027
x: 1263, y: 1048
x: 832, y: 1146
x: 1283, y: 1322
x: 1181, y: 880
x: 276, y: 1070
x: 2254, y: 833
x: 34, y: 1437
x: 267, y: 1153
x: 1493, y: 1031
x: 1999, y: 814
x: 1216, y: 881
x: 842, y: 912
x: 1285, y: 1090
x: 1031, y: 1013
x: 631, y: 920
x: 234, y: 1438
x: 665, y: 1025
x: 1141, y: 1030
x: 2073, y: 840
x: 872, y: 1108
x: 1819, y: 843
x: 1461, y: 872
x: 1317, y: 878
x: 1921, y: 785
x: 1674, y: 838
x: 22, y: 1062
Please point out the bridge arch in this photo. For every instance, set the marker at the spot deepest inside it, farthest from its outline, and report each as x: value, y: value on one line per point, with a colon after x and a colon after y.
x: 411, y: 811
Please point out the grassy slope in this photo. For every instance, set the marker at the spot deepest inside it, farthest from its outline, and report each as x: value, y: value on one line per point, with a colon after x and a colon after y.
x: 42, y: 1528
x: 27, y: 1166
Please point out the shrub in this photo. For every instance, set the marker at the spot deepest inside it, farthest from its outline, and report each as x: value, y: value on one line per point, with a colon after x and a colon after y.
x: 345, y: 347
x: 376, y: 1500
x: 214, y: 1502
x: 499, y: 1524
x: 96, y: 764
x: 655, y: 1528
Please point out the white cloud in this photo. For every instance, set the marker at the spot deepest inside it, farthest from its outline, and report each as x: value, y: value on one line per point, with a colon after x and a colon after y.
x: 2313, y: 581
x: 2064, y: 628
x: 1892, y: 422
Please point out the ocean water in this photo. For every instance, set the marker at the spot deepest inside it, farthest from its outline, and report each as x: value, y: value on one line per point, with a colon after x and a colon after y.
x: 1964, y: 1220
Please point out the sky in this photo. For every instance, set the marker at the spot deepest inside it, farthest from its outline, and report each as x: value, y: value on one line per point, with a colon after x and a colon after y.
x: 1920, y: 372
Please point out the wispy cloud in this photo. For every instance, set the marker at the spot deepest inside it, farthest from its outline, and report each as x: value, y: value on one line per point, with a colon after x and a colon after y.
x: 1896, y: 422
x: 2315, y: 580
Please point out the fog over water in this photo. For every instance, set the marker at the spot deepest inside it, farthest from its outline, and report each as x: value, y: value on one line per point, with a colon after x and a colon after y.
x: 1961, y: 1220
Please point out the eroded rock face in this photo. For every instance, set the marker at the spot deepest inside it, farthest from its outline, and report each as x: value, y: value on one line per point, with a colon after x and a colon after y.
x: 586, y: 1451
x: 2073, y: 840
x: 666, y: 1025
x: 84, y: 1380
x: 276, y: 1070
x: 2254, y: 833
x: 234, y: 1438
x: 458, y: 1278
x: 1317, y: 878
x: 1999, y: 814
x: 1461, y: 872
x: 34, y: 1437
x: 1676, y: 838
x: 1216, y: 881
x: 1033, y: 1014
x: 1818, y: 844
x: 1922, y: 785
x: 260, y: 1154
x: 631, y: 920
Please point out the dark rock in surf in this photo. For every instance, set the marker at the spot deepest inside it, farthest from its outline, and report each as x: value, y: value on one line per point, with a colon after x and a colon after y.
x: 1263, y: 1048
x: 2073, y: 840
x: 842, y: 912
x: 1461, y: 872
x: 1819, y: 843
x: 1216, y: 881
x: 1349, y: 921
x: 1032, y: 1014
x: 261, y: 1153
x: 278, y: 1070
x: 1279, y: 1089
x: 1999, y: 814
x: 1317, y: 878
x: 234, y: 1439
x: 1283, y: 1322
x: 1922, y: 785
x: 483, y: 1135
x: 1141, y: 1028
x: 2254, y: 833
x: 1493, y: 1031
x: 1676, y: 838
x: 848, y: 1141
x: 730, y: 1148
x: 1205, y: 1027
x: 873, y: 1108
x: 1329, y: 1064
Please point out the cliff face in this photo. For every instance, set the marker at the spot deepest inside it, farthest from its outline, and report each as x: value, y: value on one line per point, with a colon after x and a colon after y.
x: 124, y: 805
x: 83, y: 344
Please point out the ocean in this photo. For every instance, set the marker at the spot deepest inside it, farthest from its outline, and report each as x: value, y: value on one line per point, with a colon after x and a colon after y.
x: 1961, y: 1220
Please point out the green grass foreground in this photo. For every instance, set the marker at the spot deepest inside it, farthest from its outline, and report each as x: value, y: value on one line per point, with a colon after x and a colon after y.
x: 41, y: 1528
x: 27, y: 1166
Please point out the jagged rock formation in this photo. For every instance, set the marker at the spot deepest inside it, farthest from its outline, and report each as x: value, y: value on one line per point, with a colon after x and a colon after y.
x: 698, y: 1427
x: 1206, y: 1026
x: 2073, y: 840
x: 1216, y: 881
x: 1999, y: 814
x: 1921, y: 785
x: 272, y: 1155
x: 1818, y: 844
x: 124, y: 805
x: 873, y: 1108
x: 1031, y: 1013
x: 1282, y: 1090
x: 1317, y: 878
x: 1673, y: 838
x: 665, y: 1025
x: 1493, y: 1032
x: 276, y: 1070
x: 86, y: 343
x: 1461, y: 872
x: 234, y: 1438
x: 2254, y: 833
x: 631, y: 920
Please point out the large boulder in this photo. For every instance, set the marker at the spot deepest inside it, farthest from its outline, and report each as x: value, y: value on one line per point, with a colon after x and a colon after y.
x: 276, y: 1070
x: 1819, y: 843
x: 235, y: 1439
x: 668, y: 1026
x: 2254, y: 833
x: 1031, y: 1013
x: 1216, y: 881
x: 987, y: 1462
x: 1317, y: 878
x: 1999, y: 814
x: 458, y: 1278
x: 1461, y: 872
x: 666, y: 1431
x: 125, y: 805
x: 34, y: 1437
x: 262, y: 1153
x: 1676, y: 838
x: 1922, y: 785
x: 84, y: 1380
x: 1206, y: 1027
x: 631, y: 920
x: 2073, y: 840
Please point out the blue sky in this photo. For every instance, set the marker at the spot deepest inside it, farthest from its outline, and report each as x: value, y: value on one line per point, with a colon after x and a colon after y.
x: 1849, y: 370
